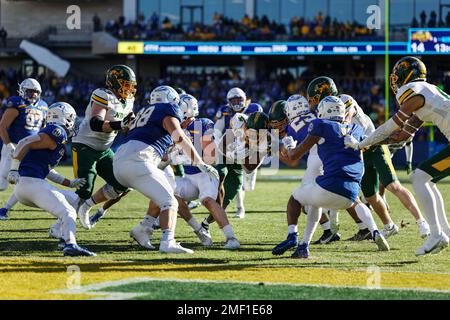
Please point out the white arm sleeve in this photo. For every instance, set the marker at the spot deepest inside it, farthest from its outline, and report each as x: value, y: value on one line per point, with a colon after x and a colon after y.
x: 25, y: 141
x: 55, y: 177
x: 381, y: 133
x: 219, y: 127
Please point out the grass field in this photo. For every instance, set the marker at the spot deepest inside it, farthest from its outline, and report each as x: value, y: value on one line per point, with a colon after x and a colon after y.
x: 31, y: 267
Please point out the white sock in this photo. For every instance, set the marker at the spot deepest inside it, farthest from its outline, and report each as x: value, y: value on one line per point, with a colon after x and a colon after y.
x: 102, y: 211
x: 194, y: 224
x: 228, y: 231
x: 365, y: 216
x: 90, y: 202
x: 292, y: 228
x: 442, y: 217
x: 148, y: 221
x: 361, y: 226
x: 389, y: 226
x: 11, y: 202
x: 240, y: 199
x: 167, y: 235
x: 312, y: 220
x: 422, y: 187
x: 326, y: 225
x: 409, y: 149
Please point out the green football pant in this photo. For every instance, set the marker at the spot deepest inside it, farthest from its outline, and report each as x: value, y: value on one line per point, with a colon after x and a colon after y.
x: 232, y: 175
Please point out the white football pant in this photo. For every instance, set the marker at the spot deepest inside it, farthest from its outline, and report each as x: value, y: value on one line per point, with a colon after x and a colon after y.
x: 5, y: 166
x: 196, y: 186
x: 35, y: 192
x: 136, y: 166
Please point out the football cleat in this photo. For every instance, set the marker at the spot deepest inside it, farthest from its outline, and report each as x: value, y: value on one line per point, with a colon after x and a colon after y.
x: 361, y: 235
x: 4, y: 214
x: 194, y: 204
x: 328, y: 237
x: 74, y: 250
x: 282, y: 247
x: 390, y: 232
x: 380, y: 240
x: 55, y: 230
x: 142, y: 235
x: 173, y: 247
x: 433, y: 245
x: 61, y: 244
x: 96, y: 217
x: 232, y: 244
x: 424, y: 228
x: 302, y: 251
x: 83, y: 215
x: 240, y: 213
x: 204, y: 236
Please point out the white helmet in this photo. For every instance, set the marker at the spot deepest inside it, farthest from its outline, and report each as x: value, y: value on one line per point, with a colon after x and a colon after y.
x: 236, y: 93
x: 297, y: 105
x: 28, y: 88
x: 164, y: 94
x: 331, y: 108
x: 63, y: 114
x: 188, y: 105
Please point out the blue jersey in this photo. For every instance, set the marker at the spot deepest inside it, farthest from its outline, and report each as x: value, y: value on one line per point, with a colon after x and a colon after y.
x: 38, y: 162
x: 30, y: 118
x: 343, y: 167
x: 227, y: 113
x: 252, y: 108
x: 148, y: 127
x: 298, y: 129
x: 197, y: 129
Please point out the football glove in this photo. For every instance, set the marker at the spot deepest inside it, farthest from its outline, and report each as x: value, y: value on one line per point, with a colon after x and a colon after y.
x: 126, y: 121
x: 351, y: 142
x: 209, y: 170
x: 13, y: 176
x: 289, y: 143
x: 77, y: 183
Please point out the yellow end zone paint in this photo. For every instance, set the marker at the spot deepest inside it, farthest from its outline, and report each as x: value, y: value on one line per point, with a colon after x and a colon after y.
x: 36, y: 278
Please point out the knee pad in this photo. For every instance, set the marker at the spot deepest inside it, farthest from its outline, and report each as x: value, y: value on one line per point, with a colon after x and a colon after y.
x: 110, y: 192
x: 420, y: 177
x: 170, y: 204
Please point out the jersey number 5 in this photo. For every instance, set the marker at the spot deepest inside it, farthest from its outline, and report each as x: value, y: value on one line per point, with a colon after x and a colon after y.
x: 142, y: 118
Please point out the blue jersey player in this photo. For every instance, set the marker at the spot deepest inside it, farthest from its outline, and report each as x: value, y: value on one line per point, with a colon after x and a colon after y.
x: 343, y: 168
x: 155, y: 128
x: 33, y: 159
x: 23, y: 116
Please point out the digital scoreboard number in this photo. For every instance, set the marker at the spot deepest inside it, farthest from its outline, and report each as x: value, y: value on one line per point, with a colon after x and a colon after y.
x: 429, y: 41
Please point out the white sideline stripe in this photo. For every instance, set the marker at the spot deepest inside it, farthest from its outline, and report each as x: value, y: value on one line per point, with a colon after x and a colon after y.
x: 96, y: 289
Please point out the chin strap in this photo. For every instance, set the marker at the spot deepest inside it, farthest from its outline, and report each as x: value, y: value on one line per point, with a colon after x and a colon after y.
x: 380, y: 134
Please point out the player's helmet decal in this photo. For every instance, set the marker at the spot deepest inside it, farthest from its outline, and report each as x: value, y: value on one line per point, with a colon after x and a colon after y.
x: 277, y: 116
x: 407, y: 69
x: 121, y: 80
x: 320, y: 88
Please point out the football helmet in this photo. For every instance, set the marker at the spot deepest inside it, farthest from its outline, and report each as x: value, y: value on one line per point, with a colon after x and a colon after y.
x: 407, y: 69
x: 164, y: 94
x: 297, y: 105
x: 30, y: 90
x: 236, y: 99
x: 121, y: 80
x: 331, y: 108
x: 189, y: 106
x: 63, y: 114
x: 277, y: 116
x: 257, y: 121
x: 318, y: 89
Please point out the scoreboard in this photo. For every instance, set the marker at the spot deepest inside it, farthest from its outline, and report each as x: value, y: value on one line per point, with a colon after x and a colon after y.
x: 429, y: 41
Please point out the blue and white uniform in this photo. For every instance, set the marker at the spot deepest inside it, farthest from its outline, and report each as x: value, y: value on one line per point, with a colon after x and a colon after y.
x: 196, y: 184
x: 33, y: 190
x: 136, y: 161
x: 28, y: 122
x: 343, y: 168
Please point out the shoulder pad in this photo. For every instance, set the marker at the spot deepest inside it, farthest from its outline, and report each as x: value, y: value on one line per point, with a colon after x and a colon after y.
x: 405, y: 92
x: 13, y: 102
x: 101, y: 96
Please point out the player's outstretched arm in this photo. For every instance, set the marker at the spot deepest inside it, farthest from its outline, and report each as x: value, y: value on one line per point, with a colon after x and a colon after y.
x: 398, y: 121
x: 298, y: 152
x: 55, y: 177
x: 99, y: 124
x: 406, y: 133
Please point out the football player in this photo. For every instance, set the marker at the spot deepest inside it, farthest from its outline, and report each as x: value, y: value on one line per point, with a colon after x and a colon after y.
x: 299, y: 115
x: 24, y: 116
x: 419, y: 101
x: 109, y: 111
x: 339, y: 186
x: 378, y: 166
x: 195, y: 184
x: 154, y: 129
x: 34, y: 156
